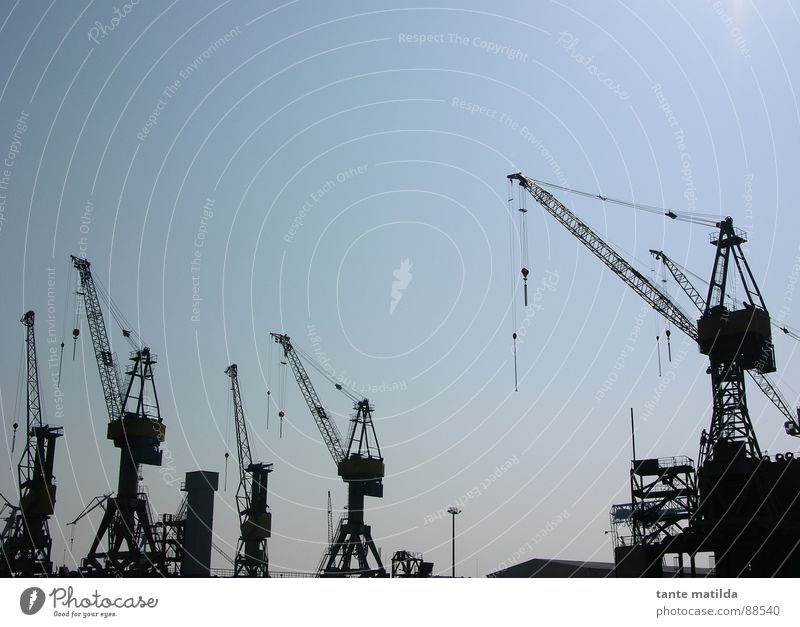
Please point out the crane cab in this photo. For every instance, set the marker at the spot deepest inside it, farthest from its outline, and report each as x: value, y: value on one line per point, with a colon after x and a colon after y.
x: 745, y: 334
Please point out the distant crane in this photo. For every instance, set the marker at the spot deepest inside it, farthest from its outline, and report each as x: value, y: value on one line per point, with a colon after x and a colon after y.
x: 361, y: 467
x: 124, y: 542
x: 255, y: 519
x: 25, y: 540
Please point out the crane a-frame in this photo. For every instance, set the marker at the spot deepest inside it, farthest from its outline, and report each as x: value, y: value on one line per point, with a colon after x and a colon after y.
x: 792, y: 424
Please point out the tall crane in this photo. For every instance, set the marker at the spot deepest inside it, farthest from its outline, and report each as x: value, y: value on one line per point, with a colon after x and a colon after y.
x: 359, y: 464
x: 732, y: 413
x: 255, y: 519
x: 791, y: 426
x: 25, y: 540
x: 124, y: 542
x: 747, y: 511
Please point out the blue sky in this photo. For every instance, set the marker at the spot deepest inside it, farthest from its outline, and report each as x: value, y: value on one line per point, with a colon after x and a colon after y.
x: 299, y: 153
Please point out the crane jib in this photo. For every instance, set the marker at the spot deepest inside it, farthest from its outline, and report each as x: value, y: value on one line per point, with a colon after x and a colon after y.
x: 645, y: 288
x: 327, y: 428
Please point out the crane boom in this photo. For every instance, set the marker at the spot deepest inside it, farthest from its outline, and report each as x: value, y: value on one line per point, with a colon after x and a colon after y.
x: 109, y: 373
x: 28, y: 464
x: 610, y: 257
x: 681, y: 278
x: 327, y: 428
x: 791, y: 425
x: 766, y: 384
x: 242, y: 440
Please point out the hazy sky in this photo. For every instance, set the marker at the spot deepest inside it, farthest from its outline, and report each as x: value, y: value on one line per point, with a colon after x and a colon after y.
x: 337, y: 171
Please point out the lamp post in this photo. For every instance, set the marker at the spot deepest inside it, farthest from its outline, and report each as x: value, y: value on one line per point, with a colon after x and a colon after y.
x: 453, y: 511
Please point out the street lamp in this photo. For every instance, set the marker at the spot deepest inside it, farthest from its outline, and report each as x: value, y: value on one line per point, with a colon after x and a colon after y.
x: 453, y: 511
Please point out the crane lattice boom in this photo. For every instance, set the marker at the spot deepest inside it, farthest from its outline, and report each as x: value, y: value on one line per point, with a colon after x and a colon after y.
x: 327, y: 428
x: 242, y: 440
x: 610, y: 257
x: 109, y: 373
x: 27, y: 466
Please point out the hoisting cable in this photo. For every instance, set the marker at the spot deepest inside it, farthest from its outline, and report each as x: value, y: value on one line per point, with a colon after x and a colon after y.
x: 76, y: 330
x: 658, y: 352
x: 347, y: 391
x: 18, y: 394
x: 707, y: 219
x: 60, y: 362
x: 228, y: 420
x: 512, y: 275
x: 269, y: 380
x: 667, y: 332
x: 669, y: 347
x: 14, y: 436
x: 786, y: 329
x: 116, y: 313
x: 17, y: 398
x: 514, y: 336
x: 282, y: 395
x: 523, y: 240
x: 792, y: 334
x: 655, y: 324
x: 67, y: 293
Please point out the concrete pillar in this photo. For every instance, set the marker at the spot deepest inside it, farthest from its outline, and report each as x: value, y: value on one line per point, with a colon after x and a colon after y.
x: 200, y: 486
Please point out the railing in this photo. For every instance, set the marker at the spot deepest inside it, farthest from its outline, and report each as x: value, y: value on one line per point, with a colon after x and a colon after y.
x: 279, y: 574
x: 290, y: 574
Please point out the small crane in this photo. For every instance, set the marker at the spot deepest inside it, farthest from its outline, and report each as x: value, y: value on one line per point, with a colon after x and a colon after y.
x: 25, y: 540
x: 361, y: 467
x: 255, y: 519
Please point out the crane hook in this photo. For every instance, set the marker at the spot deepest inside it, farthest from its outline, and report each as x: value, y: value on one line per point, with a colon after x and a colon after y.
x: 669, y: 347
x: 525, y: 284
x: 658, y: 353
x: 225, y: 488
x: 60, y: 361
x: 514, y: 337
